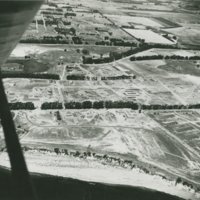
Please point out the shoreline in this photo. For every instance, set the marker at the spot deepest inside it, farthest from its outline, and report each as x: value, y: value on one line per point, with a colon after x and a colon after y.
x: 95, y: 173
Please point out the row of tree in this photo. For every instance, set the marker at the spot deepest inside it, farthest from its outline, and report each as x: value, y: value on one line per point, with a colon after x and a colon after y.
x: 114, y: 105
x: 22, y: 106
x: 77, y: 40
x: 45, y: 40
x: 29, y: 75
x: 105, y: 159
x: 101, y: 105
x: 113, y: 56
x: 70, y: 14
x: 51, y: 105
x: 102, y: 158
x: 116, y: 43
x: 82, y: 77
x: 90, y: 105
x: 167, y: 57
x: 185, y: 183
x: 65, y: 31
x: 51, y: 12
x: 168, y: 107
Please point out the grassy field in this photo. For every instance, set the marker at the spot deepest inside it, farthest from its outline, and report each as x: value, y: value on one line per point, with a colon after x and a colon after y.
x: 93, y: 94
x: 46, y: 58
x: 36, y: 91
x: 182, y: 67
x: 30, y: 66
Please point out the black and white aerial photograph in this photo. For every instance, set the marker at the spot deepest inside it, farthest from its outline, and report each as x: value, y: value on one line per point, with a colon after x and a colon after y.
x: 100, y: 99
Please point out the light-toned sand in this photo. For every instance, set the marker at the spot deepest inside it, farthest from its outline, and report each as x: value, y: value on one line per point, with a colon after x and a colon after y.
x: 96, y: 172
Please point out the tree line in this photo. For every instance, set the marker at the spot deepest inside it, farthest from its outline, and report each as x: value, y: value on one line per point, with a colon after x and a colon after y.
x: 93, y: 78
x: 51, y: 105
x: 169, y: 107
x: 115, y: 105
x: 116, y: 43
x: 45, y: 40
x: 51, y: 12
x: 104, y: 159
x: 166, y: 57
x: 99, y: 105
x: 114, y: 55
x: 22, y: 106
x: 29, y: 75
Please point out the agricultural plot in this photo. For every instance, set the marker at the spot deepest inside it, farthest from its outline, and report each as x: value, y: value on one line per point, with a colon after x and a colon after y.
x: 144, y: 91
x: 50, y: 55
x: 81, y: 84
x: 185, y: 26
x: 31, y: 90
x: 124, y: 20
x: 86, y: 94
x: 39, y: 31
x: 173, y: 82
x: 131, y: 93
x: 94, y: 27
x: 182, y: 67
x: 149, y: 36
x: 73, y: 69
x: 188, y: 35
x: 104, y: 70
x: 168, y: 52
x: 183, y: 125
x: 180, y: 18
x: 74, y: 25
x: 153, y: 7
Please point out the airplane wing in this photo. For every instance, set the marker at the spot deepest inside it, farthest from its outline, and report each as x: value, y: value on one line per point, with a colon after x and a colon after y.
x: 15, y: 16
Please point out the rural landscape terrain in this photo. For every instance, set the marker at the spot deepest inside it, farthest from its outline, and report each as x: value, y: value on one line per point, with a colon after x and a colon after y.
x: 108, y: 91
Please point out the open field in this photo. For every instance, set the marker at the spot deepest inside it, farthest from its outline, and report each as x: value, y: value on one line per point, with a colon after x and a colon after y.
x: 48, y: 58
x: 188, y: 35
x: 149, y: 36
x: 168, y: 52
x: 104, y: 70
x: 184, y: 125
x: 182, y: 67
x: 92, y: 94
x: 133, y: 20
x: 177, y: 79
x: 30, y: 90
